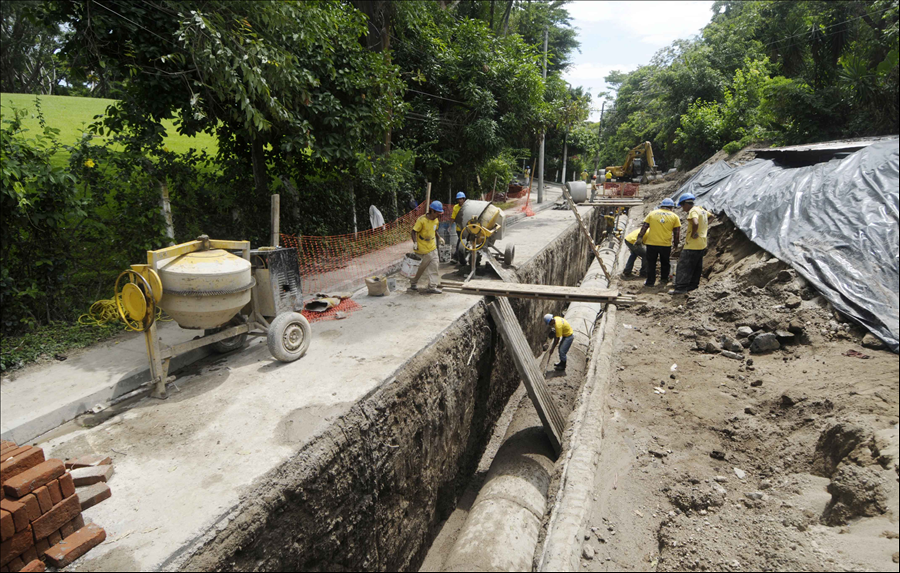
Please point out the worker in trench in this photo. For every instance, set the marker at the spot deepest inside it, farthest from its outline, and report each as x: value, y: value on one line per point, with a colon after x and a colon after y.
x: 690, y: 263
x: 562, y: 334
x: 425, y: 238
x: 458, y: 253
x: 636, y: 251
x: 662, y: 228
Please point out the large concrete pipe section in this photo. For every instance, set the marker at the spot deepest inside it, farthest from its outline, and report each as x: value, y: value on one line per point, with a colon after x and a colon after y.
x: 502, y: 528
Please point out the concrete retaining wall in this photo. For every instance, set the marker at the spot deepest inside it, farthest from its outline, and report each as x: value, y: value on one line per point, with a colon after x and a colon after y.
x: 368, y: 493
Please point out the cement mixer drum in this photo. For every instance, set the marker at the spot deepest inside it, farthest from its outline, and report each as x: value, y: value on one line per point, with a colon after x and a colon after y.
x: 205, y: 289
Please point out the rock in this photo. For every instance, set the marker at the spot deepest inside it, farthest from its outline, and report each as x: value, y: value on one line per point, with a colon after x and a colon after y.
x: 732, y: 355
x: 711, y: 347
x: 744, y: 332
x: 756, y: 383
x: 750, y: 410
x: 784, y: 336
x: 717, y: 455
x: 791, y: 398
x: 896, y: 557
x: 720, y: 479
x: 765, y: 342
x: 872, y: 341
x: 741, y: 474
x: 731, y: 344
x: 784, y: 276
x: 755, y: 495
x: 795, y: 326
x: 745, y: 342
x: 793, y: 302
x: 749, y: 362
x: 587, y: 552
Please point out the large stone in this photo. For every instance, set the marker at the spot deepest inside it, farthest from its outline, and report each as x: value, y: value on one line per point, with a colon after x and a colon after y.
x: 872, y: 341
x: 744, y: 332
x: 765, y: 342
x: 793, y: 302
x: 732, y: 355
x: 731, y: 344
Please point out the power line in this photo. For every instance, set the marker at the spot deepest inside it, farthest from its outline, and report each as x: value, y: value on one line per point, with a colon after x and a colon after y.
x: 135, y: 24
x: 827, y: 27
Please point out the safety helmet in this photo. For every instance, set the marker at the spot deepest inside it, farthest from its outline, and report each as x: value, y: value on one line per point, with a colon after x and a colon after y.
x: 667, y: 203
x: 460, y: 195
x: 685, y: 197
x: 437, y: 207
x: 548, y: 318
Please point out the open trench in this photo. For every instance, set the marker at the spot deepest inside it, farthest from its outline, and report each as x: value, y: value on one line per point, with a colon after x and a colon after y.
x: 369, y: 492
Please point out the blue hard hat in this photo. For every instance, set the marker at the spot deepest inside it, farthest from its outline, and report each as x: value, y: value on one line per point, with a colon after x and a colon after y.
x: 460, y: 195
x: 685, y: 197
x: 548, y: 318
x: 667, y: 203
x: 437, y: 207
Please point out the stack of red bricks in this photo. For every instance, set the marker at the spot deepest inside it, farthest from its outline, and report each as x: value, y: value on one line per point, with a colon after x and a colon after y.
x: 40, y: 513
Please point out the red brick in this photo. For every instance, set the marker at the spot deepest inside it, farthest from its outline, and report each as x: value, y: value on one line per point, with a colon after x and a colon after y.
x: 19, y: 463
x: 54, y: 538
x: 16, y: 564
x: 56, y: 517
x: 18, y: 511
x: 43, y: 496
x: 67, y: 485
x: 32, y: 507
x: 88, y: 461
x: 41, y: 546
x: 89, y: 476
x: 56, y: 495
x: 29, y: 480
x: 17, y: 545
x: 12, y: 452
x: 76, y: 545
x: 33, y: 566
x: 29, y: 555
x: 93, y: 494
x: 7, y: 525
x: 78, y: 522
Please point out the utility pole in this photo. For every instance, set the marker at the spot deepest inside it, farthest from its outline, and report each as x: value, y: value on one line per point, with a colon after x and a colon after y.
x: 543, y: 130
x: 599, y: 133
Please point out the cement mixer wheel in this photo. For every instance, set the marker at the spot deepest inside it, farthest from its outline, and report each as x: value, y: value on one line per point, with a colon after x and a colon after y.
x: 509, y: 255
x: 229, y: 344
x: 289, y: 336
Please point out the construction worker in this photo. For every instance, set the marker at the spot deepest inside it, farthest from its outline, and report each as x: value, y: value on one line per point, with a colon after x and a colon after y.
x: 584, y: 176
x: 561, y: 332
x: 425, y: 237
x: 608, y: 176
x: 460, y: 201
x: 662, y: 227
x: 636, y: 251
x: 690, y: 263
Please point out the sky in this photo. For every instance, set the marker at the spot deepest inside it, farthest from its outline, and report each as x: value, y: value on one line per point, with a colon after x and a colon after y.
x: 624, y: 35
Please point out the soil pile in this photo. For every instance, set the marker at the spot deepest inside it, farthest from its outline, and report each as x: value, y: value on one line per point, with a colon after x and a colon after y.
x: 750, y: 428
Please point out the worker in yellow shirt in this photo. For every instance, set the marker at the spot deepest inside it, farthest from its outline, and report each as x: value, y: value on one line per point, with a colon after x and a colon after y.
x: 661, y: 228
x: 608, y: 176
x: 584, y: 176
x: 636, y: 251
x: 690, y: 263
x: 561, y: 332
x: 425, y: 238
x: 458, y: 253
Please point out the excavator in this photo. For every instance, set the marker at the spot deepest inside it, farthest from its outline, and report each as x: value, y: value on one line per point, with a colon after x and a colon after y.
x: 638, y: 161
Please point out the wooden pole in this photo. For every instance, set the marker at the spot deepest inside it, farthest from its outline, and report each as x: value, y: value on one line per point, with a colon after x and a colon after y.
x: 427, y: 196
x: 276, y: 219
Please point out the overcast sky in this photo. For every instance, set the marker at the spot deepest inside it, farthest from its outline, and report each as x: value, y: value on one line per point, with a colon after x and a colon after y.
x: 623, y: 35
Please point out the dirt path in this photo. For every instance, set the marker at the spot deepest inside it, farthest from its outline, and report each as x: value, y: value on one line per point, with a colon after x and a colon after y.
x: 784, y: 460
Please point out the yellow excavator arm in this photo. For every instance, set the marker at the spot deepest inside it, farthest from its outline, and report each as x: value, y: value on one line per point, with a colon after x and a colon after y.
x: 627, y: 169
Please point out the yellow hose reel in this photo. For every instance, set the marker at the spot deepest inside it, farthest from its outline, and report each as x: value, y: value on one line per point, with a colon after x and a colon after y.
x: 476, y: 236
x: 138, y: 291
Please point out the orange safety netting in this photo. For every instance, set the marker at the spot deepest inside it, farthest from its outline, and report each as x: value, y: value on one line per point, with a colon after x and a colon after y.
x: 346, y: 306
x: 336, y: 263
x: 621, y: 189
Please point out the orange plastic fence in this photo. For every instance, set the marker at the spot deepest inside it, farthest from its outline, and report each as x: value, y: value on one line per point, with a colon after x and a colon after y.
x: 334, y: 262
x: 621, y: 189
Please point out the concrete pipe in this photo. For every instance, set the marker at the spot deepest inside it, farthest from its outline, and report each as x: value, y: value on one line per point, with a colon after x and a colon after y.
x: 578, y: 190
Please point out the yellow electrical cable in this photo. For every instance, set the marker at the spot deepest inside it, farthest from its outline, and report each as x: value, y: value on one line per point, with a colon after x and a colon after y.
x: 104, y: 312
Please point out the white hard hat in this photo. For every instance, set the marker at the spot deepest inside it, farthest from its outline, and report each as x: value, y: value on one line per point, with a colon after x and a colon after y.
x: 548, y: 318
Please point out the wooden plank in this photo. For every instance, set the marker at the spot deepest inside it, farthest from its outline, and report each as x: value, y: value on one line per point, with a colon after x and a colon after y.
x: 504, y: 273
x: 512, y: 334
x: 548, y: 292
x: 587, y: 233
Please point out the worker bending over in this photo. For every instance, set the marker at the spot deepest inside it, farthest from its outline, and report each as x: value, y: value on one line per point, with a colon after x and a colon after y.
x: 561, y: 332
x: 636, y: 251
x: 661, y: 227
x: 425, y: 237
x: 458, y: 253
x: 690, y: 263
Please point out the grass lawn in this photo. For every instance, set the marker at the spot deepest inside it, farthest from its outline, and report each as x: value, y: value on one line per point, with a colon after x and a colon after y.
x: 72, y: 115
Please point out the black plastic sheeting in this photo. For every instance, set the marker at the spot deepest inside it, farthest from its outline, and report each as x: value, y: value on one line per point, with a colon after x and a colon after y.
x: 835, y: 223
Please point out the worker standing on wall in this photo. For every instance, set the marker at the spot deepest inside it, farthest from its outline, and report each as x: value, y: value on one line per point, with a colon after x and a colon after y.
x: 425, y: 237
x: 458, y: 253
x: 690, y: 263
x: 562, y: 334
x: 662, y: 227
x: 636, y: 251
x: 584, y: 176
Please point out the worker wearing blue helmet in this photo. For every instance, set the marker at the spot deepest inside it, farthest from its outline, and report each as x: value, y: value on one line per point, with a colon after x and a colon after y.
x: 690, y: 263
x: 460, y: 201
x: 660, y: 230
x: 425, y: 238
x: 562, y: 334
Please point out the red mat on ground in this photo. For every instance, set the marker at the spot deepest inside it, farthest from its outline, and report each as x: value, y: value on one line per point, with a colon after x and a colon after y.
x: 347, y: 306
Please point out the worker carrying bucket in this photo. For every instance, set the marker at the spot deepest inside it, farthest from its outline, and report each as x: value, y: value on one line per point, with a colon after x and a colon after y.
x: 424, y: 236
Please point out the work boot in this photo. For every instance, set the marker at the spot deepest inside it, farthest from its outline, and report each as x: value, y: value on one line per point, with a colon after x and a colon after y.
x: 413, y: 286
x: 677, y: 291
x: 434, y: 290
x: 560, y: 366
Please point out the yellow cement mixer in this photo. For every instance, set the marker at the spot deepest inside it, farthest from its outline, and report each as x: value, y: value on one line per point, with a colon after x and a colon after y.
x: 482, y: 225
x: 202, y: 285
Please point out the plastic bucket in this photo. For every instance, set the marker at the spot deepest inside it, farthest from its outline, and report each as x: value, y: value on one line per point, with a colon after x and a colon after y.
x: 410, y: 265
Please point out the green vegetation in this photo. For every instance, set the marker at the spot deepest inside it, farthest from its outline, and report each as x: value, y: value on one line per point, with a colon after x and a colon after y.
x: 779, y: 72
x: 52, y: 340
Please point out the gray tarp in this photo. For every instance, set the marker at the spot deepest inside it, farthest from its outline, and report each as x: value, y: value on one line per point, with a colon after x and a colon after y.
x: 835, y: 223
